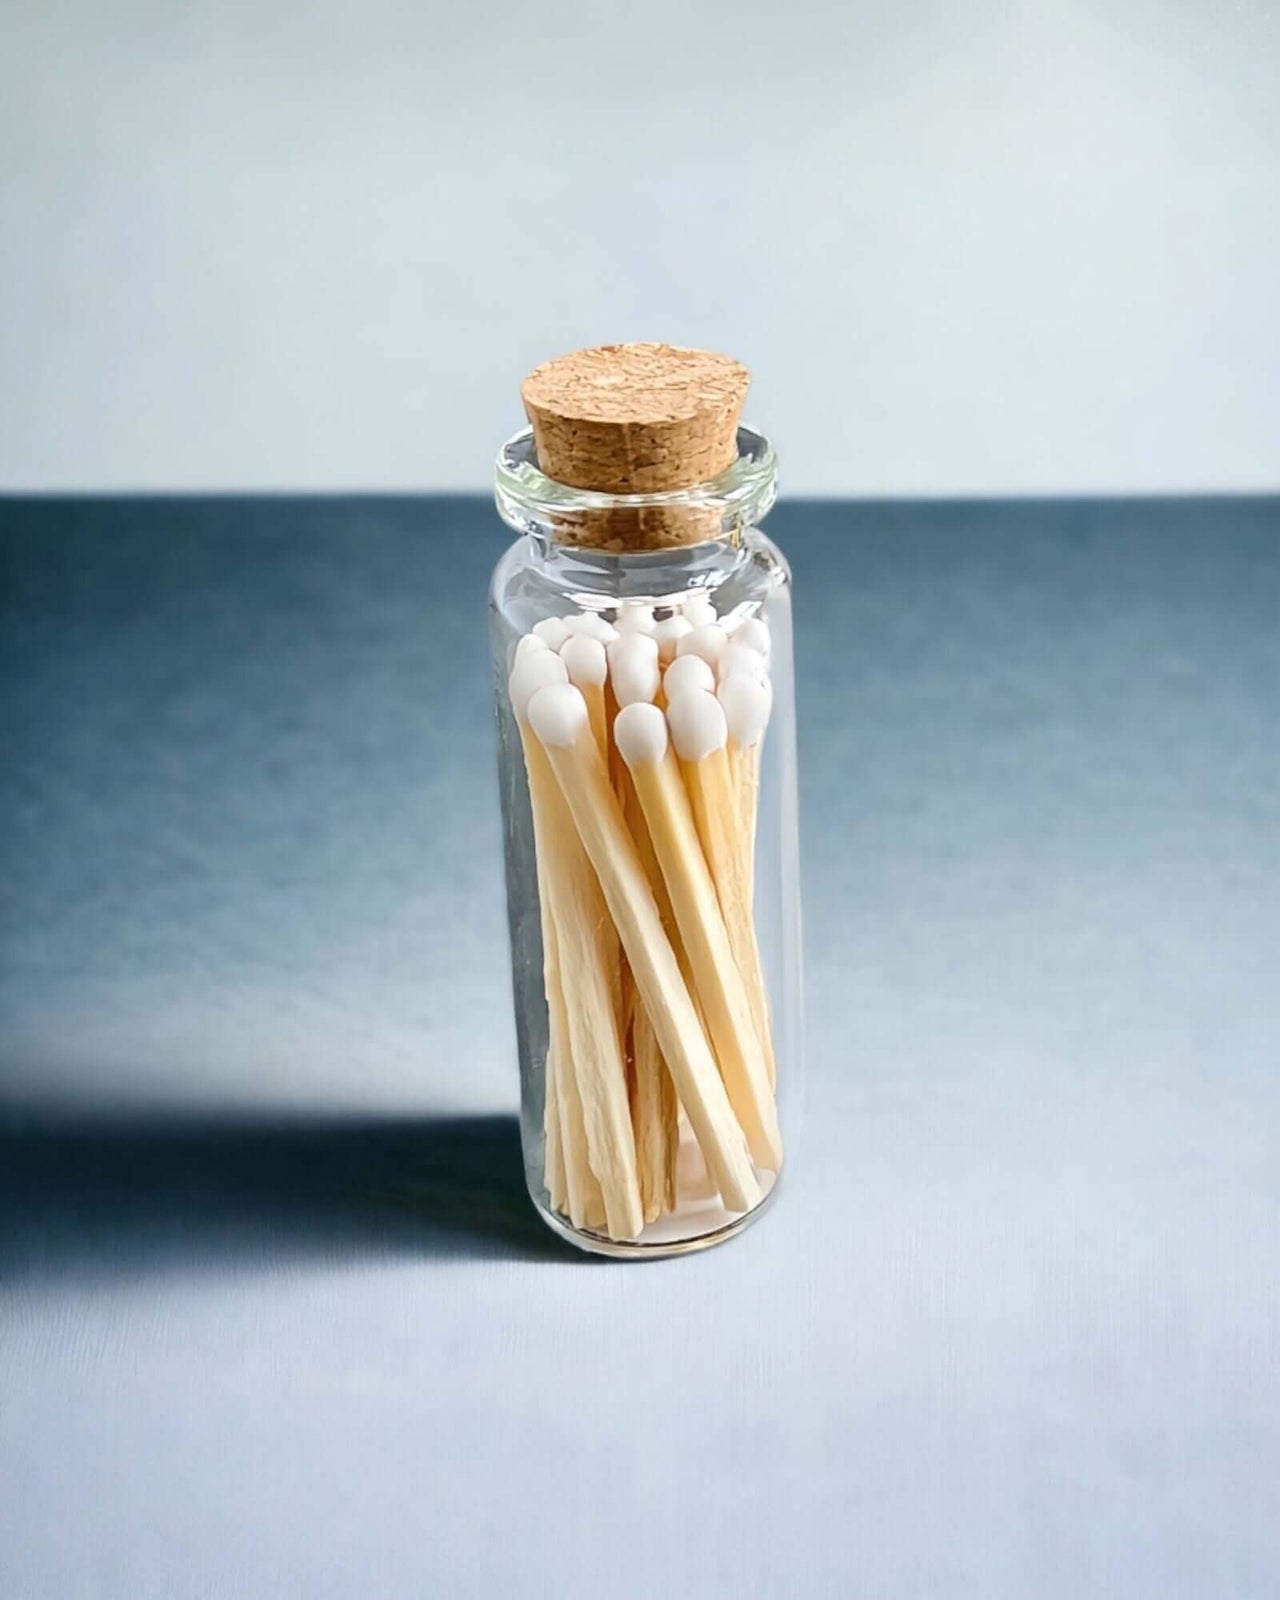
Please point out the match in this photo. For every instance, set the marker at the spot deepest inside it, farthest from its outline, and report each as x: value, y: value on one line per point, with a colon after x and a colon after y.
x: 699, y: 732
x: 641, y: 734
x: 559, y: 718
x: 583, y: 989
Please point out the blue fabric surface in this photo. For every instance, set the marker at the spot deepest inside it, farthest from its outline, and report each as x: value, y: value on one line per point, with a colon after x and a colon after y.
x: 275, y: 1315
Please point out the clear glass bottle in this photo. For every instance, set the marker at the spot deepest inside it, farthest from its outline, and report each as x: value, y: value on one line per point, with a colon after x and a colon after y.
x: 728, y: 913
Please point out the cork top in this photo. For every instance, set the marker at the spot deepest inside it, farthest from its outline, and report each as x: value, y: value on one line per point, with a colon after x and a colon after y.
x: 636, y: 418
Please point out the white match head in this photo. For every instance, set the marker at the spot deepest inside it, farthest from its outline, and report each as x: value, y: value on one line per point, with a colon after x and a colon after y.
x: 635, y: 617
x: 558, y: 714
x: 687, y: 672
x: 754, y: 633
x: 527, y: 644
x: 741, y: 661
x: 584, y: 658
x: 593, y: 625
x: 708, y: 642
x: 532, y: 672
x: 747, y: 702
x: 553, y: 632
x: 669, y: 633
x: 640, y: 733
x: 633, y: 669
x: 697, y: 724
x: 640, y: 645
x: 699, y: 612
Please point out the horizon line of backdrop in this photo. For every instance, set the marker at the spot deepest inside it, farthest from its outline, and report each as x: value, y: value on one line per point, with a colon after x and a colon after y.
x: 991, y: 249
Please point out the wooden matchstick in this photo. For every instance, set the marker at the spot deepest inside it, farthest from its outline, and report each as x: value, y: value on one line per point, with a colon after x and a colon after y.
x: 558, y: 715
x: 655, y: 1108
x: 655, y: 1115
x: 583, y: 1003
x: 568, y: 1155
x: 699, y: 731
x: 553, y: 1143
x: 747, y: 701
x: 641, y: 735
x: 635, y: 679
x: 588, y: 667
x: 589, y: 974
x: 565, y: 1148
x: 582, y: 1187
x: 587, y: 664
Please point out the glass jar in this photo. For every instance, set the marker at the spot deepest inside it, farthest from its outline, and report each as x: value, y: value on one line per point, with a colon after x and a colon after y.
x: 652, y: 868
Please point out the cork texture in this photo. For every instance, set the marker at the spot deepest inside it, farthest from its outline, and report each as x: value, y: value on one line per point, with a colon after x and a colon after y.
x: 637, y: 419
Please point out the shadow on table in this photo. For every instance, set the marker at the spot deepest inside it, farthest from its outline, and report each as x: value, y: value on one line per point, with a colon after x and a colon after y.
x: 119, y: 1197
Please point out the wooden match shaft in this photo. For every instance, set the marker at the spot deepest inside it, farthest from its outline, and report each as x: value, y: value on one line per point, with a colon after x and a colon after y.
x: 655, y: 1110
x: 656, y: 1117
x: 553, y: 1144
x: 556, y: 1063
x: 718, y: 981
x: 589, y: 969
x: 717, y: 813
x: 655, y: 1106
x: 744, y: 770
x: 593, y: 694
x: 595, y: 1092
x: 636, y: 1029
x: 585, y: 784
x: 580, y: 1189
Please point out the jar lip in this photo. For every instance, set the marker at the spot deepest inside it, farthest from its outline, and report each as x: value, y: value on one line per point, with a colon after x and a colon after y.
x: 527, y: 499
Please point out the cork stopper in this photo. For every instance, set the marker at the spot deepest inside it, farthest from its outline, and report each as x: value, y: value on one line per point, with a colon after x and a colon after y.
x: 637, y: 419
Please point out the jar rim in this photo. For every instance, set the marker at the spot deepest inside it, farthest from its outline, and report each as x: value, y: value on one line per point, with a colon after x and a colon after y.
x: 531, y: 502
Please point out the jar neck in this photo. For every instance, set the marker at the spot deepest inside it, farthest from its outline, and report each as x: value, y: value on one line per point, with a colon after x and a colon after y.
x: 591, y: 579
x: 635, y: 526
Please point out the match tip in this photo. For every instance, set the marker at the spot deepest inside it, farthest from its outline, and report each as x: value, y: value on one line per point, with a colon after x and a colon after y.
x: 747, y: 702
x: 558, y: 714
x: 643, y: 646
x: 754, y: 633
x: 635, y: 617
x: 741, y: 661
x: 640, y: 733
x: 687, y: 672
x: 708, y: 642
x: 585, y: 660
x: 526, y: 645
x: 633, y: 666
x: 553, y: 631
x: 697, y: 723
x: 669, y: 633
x: 533, y: 671
x: 593, y: 625
x: 699, y: 612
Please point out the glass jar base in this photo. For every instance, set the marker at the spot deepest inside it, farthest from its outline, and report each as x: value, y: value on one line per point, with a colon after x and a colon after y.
x: 669, y: 1236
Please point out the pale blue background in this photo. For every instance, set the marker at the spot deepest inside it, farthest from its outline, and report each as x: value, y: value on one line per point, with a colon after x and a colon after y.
x: 276, y: 1318
x: 1001, y: 247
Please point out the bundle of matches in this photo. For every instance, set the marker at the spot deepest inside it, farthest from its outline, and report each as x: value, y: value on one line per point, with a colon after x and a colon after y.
x: 641, y: 733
